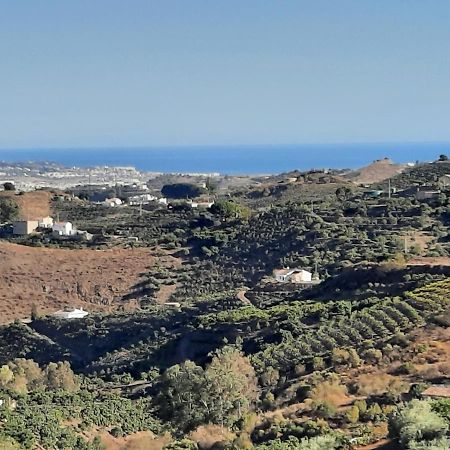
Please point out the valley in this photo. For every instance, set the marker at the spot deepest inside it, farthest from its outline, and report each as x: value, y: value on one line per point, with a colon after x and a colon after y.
x: 307, y: 313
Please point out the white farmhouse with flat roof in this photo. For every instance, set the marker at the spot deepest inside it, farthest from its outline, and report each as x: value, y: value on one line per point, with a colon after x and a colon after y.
x: 71, y: 314
x: 292, y: 276
x: 63, y: 229
x: 46, y: 222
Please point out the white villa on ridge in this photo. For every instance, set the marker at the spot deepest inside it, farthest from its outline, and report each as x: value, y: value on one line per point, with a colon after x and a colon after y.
x: 292, y: 276
x: 71, y: 314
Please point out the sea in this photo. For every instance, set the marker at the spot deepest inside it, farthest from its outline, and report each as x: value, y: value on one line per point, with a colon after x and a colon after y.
x: 233, y: 160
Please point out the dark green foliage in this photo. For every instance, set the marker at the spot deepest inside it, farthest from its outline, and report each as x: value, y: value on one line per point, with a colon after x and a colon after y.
x: 40, y: 416
x: 230, y: 210
x: 9, y: 210
x: 221, y: 394
x: 9, y: 186
x: 182, y: 190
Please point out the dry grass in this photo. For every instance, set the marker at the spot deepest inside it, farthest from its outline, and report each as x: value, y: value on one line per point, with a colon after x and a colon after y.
x: 208, y: 436
x: 32, y: 205
x: 54, y: 278
x: 330, y: 392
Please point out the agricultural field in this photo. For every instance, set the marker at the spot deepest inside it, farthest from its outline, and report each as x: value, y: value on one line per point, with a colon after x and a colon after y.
x: 191, y: 343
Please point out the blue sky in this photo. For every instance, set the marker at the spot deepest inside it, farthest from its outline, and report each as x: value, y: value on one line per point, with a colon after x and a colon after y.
x: 173, y: 72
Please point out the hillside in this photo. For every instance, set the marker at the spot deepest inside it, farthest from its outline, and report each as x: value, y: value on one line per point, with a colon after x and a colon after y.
x: 54, y: 278
x: 421, y: 174
x: 315, y: 363
x: 376, y: 172
x: 32, y: 205
x: 238, y: 356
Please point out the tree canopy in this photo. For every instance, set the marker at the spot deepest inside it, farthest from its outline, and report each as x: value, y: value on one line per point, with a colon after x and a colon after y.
x: 9, y: 210
x: 182, y: 190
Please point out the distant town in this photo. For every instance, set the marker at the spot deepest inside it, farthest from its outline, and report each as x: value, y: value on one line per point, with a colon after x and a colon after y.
x: 29, y: 176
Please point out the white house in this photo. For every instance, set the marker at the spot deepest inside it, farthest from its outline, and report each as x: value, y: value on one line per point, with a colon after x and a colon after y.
x: 46, y: 222
x: 141, y: 199
x: 63, y: 229
x: 201, y: 204
x: 71, y: 313
x: 112, y: 202
x: 292, y: 276
x: 162, y: 201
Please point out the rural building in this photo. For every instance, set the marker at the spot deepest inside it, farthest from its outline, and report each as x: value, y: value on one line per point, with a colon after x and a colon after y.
x: 134, y: 189
x: 73, y: 313
x: 445, y: 180
x: 112, y: 202
x: 46, y: 222
x: 427, y: 193
x: 62, y: 229
x: 24, y: 227
x: 292, y: 276
x: 200, y: 205
x: 83, y: 235
x: 437, y: 391
x: 142, y: 199
x: 162, y: 201
x: 373, y: 193
x: 172, y: 304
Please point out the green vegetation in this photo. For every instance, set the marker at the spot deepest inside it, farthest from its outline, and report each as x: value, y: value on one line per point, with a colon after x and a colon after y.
x: 230, y: 210
x: 243, y: 361
x: 9, y: 210
x: 8, y: 186
x: 182, y: 190
x: 418, y: 426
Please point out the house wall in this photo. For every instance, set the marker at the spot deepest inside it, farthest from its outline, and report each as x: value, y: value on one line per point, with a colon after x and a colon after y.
x: 63, y: 230
x: 280, y: 278
x: 301, y: 277
x: 426, y: 195
x: 25, y: 227
x: 46, y: 222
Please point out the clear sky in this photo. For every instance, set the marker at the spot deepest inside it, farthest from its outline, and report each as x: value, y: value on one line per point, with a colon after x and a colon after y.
x: 186, y: 72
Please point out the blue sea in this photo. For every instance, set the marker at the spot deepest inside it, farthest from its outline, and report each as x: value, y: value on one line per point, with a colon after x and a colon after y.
x: 233, y: 160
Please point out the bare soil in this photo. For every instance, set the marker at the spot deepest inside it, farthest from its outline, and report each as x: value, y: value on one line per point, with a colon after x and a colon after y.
x: 376, y: 172
x: 32, y: 205
x: 384, y: 444
x: 54, y: 278
x: 430, y: 261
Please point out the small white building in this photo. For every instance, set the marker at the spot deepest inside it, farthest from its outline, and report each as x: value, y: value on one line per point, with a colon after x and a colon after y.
x: 62, y: 229
x: 112, y: 202
x: 73, y: 313
x: 162, y: 201
x: 46, y: 222
x: 142, y: 199
x: 292, y: 276
x: 24, y: 227
x: 200, y: 205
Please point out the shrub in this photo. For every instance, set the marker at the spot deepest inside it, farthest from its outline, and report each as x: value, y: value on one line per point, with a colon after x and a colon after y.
x: 417, y: 422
